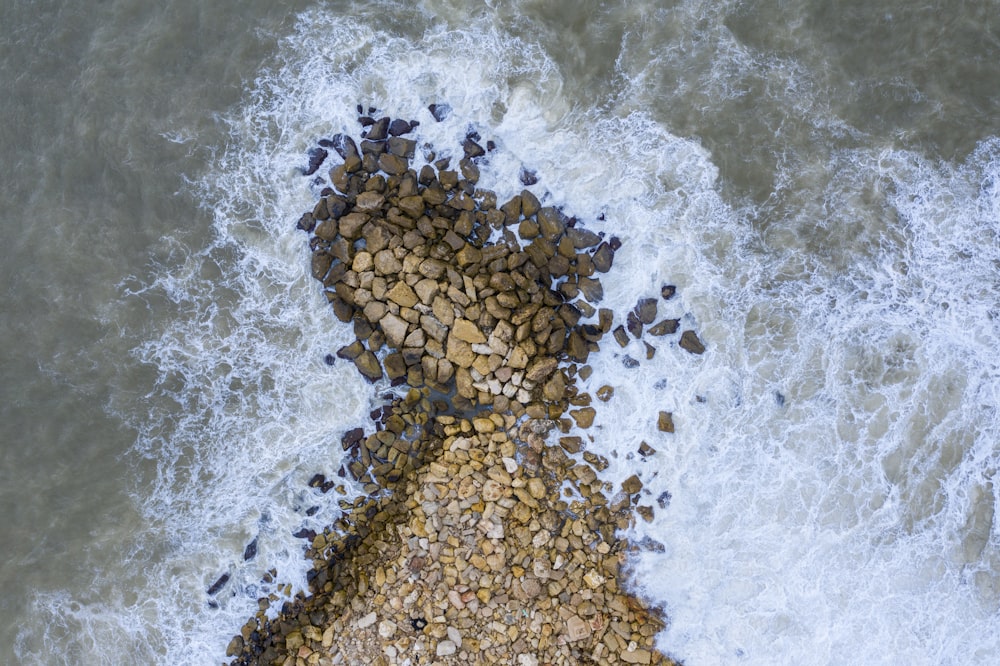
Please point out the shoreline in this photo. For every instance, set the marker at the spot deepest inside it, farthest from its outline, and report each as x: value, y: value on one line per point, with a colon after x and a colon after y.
x: 477, y: 542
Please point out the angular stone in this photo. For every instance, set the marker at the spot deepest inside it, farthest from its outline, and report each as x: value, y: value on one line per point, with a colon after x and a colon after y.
x: 636, y: 656
x: 576, y: 628
x: 631, y: 485
x: 551, y: 222
x: 645, y: 310
x: 368, y: 365
x: 665, y: 422
x: 412, y: 206
x: 402, y: 294
x: 466, y: 331
x: 605, y: 392
x: 584, y: 417
x: 447, y: 648
x: 386, y: 263
x: 665, y: 327
x: 603, y: 258
x: 690, y: 342
x: 394, y: 165
x: 540, y: 369
x: 369, y: 202
x: 395, y: 329
x: 591, y: 289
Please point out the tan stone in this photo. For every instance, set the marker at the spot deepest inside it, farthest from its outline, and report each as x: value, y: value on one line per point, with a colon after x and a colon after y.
x: 465, y: 330
x: 395, y: 330
x: 402, y: 294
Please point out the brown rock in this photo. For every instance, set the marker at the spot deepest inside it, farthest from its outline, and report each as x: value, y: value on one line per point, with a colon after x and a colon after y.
x: 412, y: 206
x: 605, y: 392
x: 690, y: 342
x: 465, y: 330
x: 551, y: 222
x: 665, y: 422
x: 603, y: 258
x: 351, y: 224
x: 645, y: 310
x: 395, y: 330
x: 665, y: 327
x: 541, y: 368
x: 402, y: 294
x: 621, y: 337
x: 631, y: 485
x: 369, y: 202
x: 368, y: 365
x: 584, y: 417
x: 394, y: 165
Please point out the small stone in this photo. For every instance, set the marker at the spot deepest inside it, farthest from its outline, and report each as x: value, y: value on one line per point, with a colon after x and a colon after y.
x: 646, y: 512
x: 367, y: 620
x: 665, y: 327
x: 645, y: 310
x: 632, y: 485
x: 584, y: 417
x: 402, y: 295
x: 386, y: 629
x: 691, y: 343
x: 645, y: 450
x: 621, y: 336
x: 465, y: 330
x: 637, y: 656
x: 447, y: 648
x: 605, y: 392
x: 593, y: 579
x: 667, y: 291
x: 536, y: 488
x: 665, y: 422
x: 576, y: 628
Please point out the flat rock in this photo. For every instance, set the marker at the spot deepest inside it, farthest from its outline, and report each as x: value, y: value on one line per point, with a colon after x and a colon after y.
x: 665, y: 327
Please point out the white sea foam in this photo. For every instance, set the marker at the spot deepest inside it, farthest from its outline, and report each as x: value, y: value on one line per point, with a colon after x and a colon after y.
x: 828, y: 494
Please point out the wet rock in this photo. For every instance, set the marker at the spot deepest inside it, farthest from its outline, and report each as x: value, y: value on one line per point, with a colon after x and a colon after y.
x: 398, y: 127
x: 527, y: 177
x: 605, y: 392
x: 665, y: 422
x: 665, y: 327
x: 472, y: 149
x: 439, y: 111
x: 631, y: 485
x: 316, y: 158
x: 379, y: 130
x: 250, y: 551
x: 645, y: 310
x: 690, y: 342
x: 218, y: 584
x: 645, y: 450
x: 604, y: 257
x: 368, y: 366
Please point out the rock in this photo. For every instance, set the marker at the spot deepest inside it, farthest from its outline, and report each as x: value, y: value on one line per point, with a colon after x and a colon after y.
x: 621, y: 337
x: 665, y: 422
x: 218, y: 584
x: 665, y: 327
x: 645, y: 310
x: 395, y: 330
x: 446, y: 648
x: 605, y: 392
x: 398, y: 126
x: 369, y: 202
x: 235, y: 646
x: 645, y: 450
x: 591, y: 289
x: 603, y: 258
x: 584, y: 417
x: 646, y: 512
x: 631, y: 485
x: 637, y: 656
x: 394, y: 165
x: 633, y: 325
x: 439, y: 111
x: 527, y: 177
x: 576, y: 628
x: 472, y: 149
x: 386, y: 629
x: 402, y: 294
x: 467, y: 331
x: 667, y: 291
x: 379, y: 130
x: 316, y: 157
x: 250, y: 551
x: 551, y: 222
x: 366, y: 621
x: 541, y: 368
x: 368, y: 366
x: 690, y: 342
x: 529, y: 203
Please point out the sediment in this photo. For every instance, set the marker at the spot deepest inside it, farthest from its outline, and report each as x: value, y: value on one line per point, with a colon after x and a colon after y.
x: 485, y: 534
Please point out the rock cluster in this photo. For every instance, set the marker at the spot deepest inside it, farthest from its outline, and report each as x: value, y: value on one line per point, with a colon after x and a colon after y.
x: 477, y: 542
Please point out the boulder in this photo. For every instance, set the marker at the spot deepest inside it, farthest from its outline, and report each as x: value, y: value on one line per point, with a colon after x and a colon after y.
x: 645, y: 310
x: 665, y: 327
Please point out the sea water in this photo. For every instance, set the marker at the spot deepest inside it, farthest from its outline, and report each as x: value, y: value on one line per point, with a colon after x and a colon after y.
x: 821, y: 185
